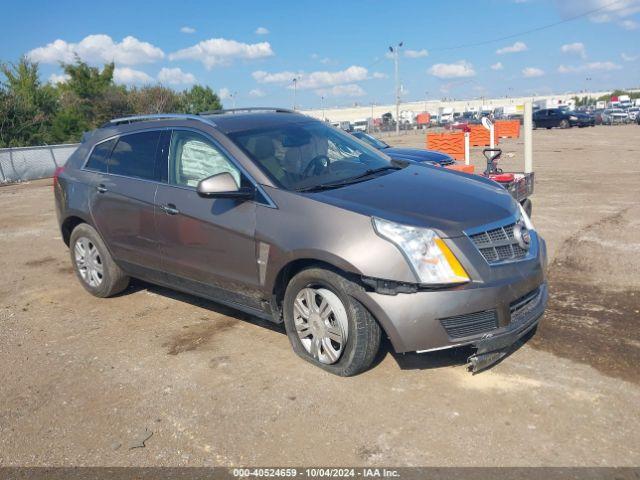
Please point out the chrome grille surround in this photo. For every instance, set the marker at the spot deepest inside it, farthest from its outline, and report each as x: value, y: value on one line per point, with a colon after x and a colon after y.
x: 496, y: 242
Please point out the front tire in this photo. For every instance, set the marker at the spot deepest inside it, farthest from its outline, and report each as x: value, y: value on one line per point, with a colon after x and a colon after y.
x: 326, y: 325
x: 565, y: 124
x: 93, y: 264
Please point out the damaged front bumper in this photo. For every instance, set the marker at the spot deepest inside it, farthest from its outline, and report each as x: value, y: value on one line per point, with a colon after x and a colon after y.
x: 496, y: 345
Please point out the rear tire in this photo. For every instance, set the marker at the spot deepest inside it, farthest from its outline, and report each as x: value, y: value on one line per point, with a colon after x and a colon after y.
x: 93, y: 264
x: 564, y: 124
x: 326, y: 325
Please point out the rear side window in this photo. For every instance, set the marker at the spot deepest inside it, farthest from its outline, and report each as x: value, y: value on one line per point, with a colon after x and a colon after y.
x: 135, y: 155
x: 98, y: 160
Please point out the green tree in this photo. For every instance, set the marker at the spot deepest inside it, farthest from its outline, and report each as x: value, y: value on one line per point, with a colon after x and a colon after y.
x: 200, y: 99
x: 26, y: 105
x: 154, y: 99
x: 85, y: 81
x: 88, y: 98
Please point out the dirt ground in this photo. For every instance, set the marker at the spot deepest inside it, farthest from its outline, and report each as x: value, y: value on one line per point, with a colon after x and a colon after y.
x: 154, y: 377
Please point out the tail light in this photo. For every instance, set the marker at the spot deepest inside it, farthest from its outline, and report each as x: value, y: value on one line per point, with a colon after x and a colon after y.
x: 56, y: 174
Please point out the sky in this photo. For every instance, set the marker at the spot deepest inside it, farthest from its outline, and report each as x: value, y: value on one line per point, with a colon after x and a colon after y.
x: 251, y: 51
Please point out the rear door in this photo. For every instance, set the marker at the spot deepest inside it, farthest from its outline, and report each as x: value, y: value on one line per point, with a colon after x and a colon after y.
x: 208, y: 242
x: 555, y: 117
x: 122, y: 203
x: 542, y: 118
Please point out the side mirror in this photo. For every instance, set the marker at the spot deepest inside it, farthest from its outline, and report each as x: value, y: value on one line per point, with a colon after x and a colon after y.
x: 223, y: 185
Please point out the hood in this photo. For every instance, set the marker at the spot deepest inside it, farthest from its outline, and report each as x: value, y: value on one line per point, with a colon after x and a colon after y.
x: 418, y: 155
x: 426, y: 196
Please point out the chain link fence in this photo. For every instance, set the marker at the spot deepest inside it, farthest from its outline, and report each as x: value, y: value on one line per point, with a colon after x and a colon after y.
x: 30, y: 163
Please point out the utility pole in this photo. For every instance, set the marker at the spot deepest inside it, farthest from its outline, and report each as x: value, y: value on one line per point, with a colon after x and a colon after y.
x: 396, y: 53
x: 322, y: 106
x: 426, y: 96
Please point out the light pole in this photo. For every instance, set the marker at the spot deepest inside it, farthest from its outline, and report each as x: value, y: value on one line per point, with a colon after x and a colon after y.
x: 370, y: 122
x: 295, y: 90
x: 233, y: 99
x: 426, y: 96
x: 322, y: 106
x: 396, y: 53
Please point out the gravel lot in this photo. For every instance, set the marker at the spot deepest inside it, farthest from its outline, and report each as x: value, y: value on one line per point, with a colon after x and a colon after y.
x: 154, y: 377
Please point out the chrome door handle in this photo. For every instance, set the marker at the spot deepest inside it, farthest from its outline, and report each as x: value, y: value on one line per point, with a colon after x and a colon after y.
x: 101, y: 188
x: 170, y: 209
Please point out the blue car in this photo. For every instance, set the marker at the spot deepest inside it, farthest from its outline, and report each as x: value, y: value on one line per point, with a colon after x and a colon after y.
x: 412, y: 154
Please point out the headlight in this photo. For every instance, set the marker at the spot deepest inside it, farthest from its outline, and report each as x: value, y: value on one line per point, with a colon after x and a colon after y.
x: 429, y: 257
x: 525, y: 218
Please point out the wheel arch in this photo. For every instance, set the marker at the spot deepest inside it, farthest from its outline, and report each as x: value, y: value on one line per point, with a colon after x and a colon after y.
x: 295, y: 266
x: 69, y: 224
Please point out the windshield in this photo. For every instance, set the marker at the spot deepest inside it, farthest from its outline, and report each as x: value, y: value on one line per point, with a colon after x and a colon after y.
x: 306, y: 155
x: 371, y: 140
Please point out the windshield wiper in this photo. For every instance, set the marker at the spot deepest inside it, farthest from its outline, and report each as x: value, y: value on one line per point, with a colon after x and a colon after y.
x: 348, y: 181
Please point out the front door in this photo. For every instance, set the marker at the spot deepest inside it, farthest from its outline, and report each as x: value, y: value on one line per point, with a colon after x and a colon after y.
x: 207, y: 242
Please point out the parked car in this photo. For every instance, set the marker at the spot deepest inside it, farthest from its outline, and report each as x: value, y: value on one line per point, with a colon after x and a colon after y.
x: 633, y: 113
x: 561, y: 118
x: 614, y: 116
x: 412, y: 154
x: 597, y: 116
x: 282, y: 216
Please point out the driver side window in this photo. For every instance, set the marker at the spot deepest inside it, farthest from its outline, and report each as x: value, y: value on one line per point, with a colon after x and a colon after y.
x: 192, y: 157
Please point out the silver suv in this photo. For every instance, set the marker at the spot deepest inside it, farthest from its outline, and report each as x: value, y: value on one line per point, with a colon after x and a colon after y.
x: 289, y: 219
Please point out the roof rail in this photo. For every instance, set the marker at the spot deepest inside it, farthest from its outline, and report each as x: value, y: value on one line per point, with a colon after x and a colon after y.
x: 248, y: 109
x: 157, y: 116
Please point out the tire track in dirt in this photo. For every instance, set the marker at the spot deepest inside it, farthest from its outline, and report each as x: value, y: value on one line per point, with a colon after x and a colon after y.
x: 588, y: 320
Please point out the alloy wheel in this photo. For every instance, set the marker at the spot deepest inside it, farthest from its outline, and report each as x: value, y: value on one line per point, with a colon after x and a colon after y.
x: 88, y: 262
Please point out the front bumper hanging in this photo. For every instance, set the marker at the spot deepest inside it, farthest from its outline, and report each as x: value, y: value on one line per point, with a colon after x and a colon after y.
x: 490, y: 349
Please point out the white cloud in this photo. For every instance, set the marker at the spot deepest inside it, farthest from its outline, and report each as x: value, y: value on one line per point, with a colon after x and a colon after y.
x: 416, y: 53
x: 220, y: 51
x: 379, y: 75
x: 629, y: 24
x: 314, y: 80
x: 98, y: 49
x: 129, y: 76
x: 224, y: 93
x: 257, y: 93
x: 458, y: 69
x: 576, y: 48
x: 628, y: 58
x: 349, y: 90
x: 497, y: 66
x: 531, y: 72
x: 58, y: 78
x: 175, y: 76
x: 608, y: 11
x: 515, y: 48
x: 261, y: 76
x: 589, y: 67
x: 261, y: 31
x: 188, y: 30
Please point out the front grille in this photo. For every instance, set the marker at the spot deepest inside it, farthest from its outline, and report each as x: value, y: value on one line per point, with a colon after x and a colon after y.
x: 498, y: 244
x: 470, y: 324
